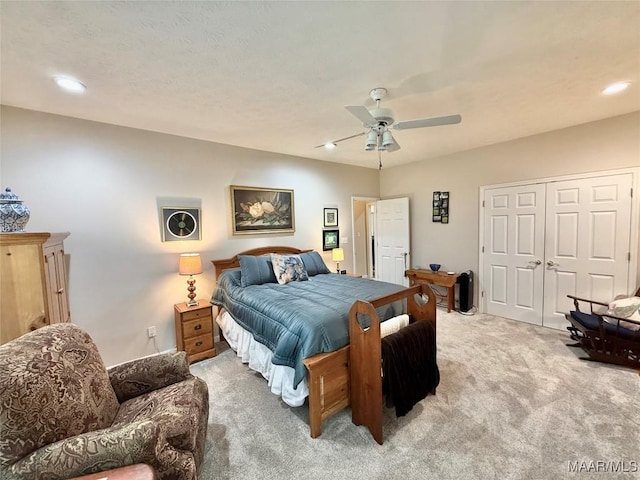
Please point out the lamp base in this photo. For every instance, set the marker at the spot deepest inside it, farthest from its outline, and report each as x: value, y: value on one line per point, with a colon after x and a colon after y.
x: 192, y: 292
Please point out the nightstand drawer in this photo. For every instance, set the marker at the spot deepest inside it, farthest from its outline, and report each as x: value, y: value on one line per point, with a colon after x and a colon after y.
x: 195, y: 314
x: 196, y: 327
x: 198, y: 344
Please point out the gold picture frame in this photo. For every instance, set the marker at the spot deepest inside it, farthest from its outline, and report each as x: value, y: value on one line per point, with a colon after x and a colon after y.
x: 258, y: 210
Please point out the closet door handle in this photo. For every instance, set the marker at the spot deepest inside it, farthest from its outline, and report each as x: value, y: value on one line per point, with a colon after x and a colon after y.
x: 535, y: 262
x: 551, y: 263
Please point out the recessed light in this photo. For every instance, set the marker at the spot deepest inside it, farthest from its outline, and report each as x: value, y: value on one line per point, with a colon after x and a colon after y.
x: 329, y: 145
x: 70, y: 84
x: 616, y: 88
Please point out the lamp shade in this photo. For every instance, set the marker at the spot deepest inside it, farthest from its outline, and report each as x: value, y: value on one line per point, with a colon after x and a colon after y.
x: 337, y: 254
x: 190, y: 264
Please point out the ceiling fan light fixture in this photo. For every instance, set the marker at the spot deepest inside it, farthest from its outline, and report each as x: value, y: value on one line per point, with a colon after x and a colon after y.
x: 616, y: 88
x: 387, y: 139
x: 372, y: 141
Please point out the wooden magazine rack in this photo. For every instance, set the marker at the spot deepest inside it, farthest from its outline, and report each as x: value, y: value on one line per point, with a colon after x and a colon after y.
x: 366, y: 355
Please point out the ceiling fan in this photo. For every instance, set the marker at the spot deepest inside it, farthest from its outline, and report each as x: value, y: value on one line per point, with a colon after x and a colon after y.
x: 378, y: 121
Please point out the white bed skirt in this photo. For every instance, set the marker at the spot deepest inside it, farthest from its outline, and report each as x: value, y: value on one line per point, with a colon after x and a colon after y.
x: 258, y: 357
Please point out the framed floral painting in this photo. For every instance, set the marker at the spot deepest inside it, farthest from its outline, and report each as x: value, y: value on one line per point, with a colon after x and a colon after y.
x: 256, y: 210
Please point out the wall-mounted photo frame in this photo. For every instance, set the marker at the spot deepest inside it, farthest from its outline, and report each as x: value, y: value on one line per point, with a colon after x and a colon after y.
x: 330, y: 239
x: 180, y: 223
x: 440, y: 207
x: 257, y: 210
x: 330, y: 217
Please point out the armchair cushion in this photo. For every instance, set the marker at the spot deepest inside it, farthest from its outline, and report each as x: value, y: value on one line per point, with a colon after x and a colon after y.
x: 141, y: 442
x: 53, y: 385
x: 142, y: 376
x: 179, y: 408
x: 593, y: 322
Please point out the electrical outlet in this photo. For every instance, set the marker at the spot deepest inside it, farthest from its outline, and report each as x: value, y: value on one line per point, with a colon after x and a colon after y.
x: 151, y: 331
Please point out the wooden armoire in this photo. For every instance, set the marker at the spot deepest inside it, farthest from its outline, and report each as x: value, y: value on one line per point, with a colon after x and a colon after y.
x: 33, y: 282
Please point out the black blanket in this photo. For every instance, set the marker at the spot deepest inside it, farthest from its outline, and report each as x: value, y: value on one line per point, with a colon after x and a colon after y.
x: 410, y: 370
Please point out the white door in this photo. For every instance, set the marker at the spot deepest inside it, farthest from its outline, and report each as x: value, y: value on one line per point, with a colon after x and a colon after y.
x: 513, y: 252
x: 544, y: 241
x: 587, y: 242
x: 392, y: 240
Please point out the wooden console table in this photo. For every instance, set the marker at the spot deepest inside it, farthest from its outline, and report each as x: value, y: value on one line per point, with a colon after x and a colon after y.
x: 442, y: 279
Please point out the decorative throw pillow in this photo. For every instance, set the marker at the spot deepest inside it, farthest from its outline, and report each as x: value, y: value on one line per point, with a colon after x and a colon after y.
x: 256, y: 270
x: 626, y: 308
x: 313, y: 263
x: 288, y: 268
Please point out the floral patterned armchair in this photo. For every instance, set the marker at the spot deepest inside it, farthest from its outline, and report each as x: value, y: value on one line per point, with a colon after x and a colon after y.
x: 63, y: 414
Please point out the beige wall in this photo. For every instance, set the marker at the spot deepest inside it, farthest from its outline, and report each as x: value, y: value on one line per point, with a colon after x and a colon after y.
x: 608, y: 144
x: 104, y: 183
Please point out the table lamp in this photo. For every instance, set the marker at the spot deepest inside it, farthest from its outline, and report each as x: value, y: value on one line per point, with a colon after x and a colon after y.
x: 337, y: 255
x: 191, y: 265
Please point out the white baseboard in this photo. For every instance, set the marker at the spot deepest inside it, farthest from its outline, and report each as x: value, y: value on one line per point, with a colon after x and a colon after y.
x: 171, y: 350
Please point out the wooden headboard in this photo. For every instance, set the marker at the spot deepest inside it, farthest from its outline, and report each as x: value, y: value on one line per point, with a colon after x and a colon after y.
x: 233, y: 262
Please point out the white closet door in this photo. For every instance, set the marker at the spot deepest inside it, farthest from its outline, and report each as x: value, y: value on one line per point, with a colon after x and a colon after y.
x: 587, y: 244
x: 513, y: 252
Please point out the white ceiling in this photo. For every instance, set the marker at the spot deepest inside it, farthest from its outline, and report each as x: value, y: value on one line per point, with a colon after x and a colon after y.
x: 276, y: 76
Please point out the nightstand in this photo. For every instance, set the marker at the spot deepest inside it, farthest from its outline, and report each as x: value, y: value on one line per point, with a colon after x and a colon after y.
x: 194, y: 330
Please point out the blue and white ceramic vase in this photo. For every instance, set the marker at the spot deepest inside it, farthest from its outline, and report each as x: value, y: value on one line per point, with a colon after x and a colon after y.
x: 14, y: 214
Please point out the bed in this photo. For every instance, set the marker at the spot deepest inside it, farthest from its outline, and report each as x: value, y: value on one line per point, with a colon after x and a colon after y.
x: 296, y: 334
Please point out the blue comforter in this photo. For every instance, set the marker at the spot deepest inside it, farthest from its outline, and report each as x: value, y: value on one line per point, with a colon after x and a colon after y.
x: 300, y: 319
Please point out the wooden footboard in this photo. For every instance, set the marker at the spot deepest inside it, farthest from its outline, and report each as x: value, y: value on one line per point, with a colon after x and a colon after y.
x: 329, y: 375
x: 328, y: 381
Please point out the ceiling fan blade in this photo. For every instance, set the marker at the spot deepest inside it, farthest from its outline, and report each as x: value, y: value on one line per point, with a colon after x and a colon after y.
x: 428, y: 122
x: 363, y: 114
x: 341, y: 139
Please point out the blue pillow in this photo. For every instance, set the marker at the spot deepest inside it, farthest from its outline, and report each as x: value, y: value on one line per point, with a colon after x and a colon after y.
x: 313, y: 263
x: 256, y: 270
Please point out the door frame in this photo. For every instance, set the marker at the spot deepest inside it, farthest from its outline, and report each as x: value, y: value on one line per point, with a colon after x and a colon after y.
x: 635, y: 220
x: 355, y: 198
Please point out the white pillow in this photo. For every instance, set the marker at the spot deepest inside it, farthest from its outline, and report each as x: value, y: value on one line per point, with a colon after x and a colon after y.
x: 626, y: 308
x: 393, y: 325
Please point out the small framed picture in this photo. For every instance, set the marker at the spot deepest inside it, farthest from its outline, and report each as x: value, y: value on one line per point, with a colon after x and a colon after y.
x: 330, y: 217
x: 330, y: 239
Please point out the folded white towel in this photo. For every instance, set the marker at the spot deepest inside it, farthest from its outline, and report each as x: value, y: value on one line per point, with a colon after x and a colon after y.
x: 393, y: 325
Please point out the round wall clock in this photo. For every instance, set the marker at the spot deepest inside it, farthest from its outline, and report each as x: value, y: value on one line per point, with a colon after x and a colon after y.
x: 181, y: 224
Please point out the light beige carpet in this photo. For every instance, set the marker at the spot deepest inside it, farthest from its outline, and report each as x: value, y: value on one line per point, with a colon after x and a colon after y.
x: 513, y: 403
